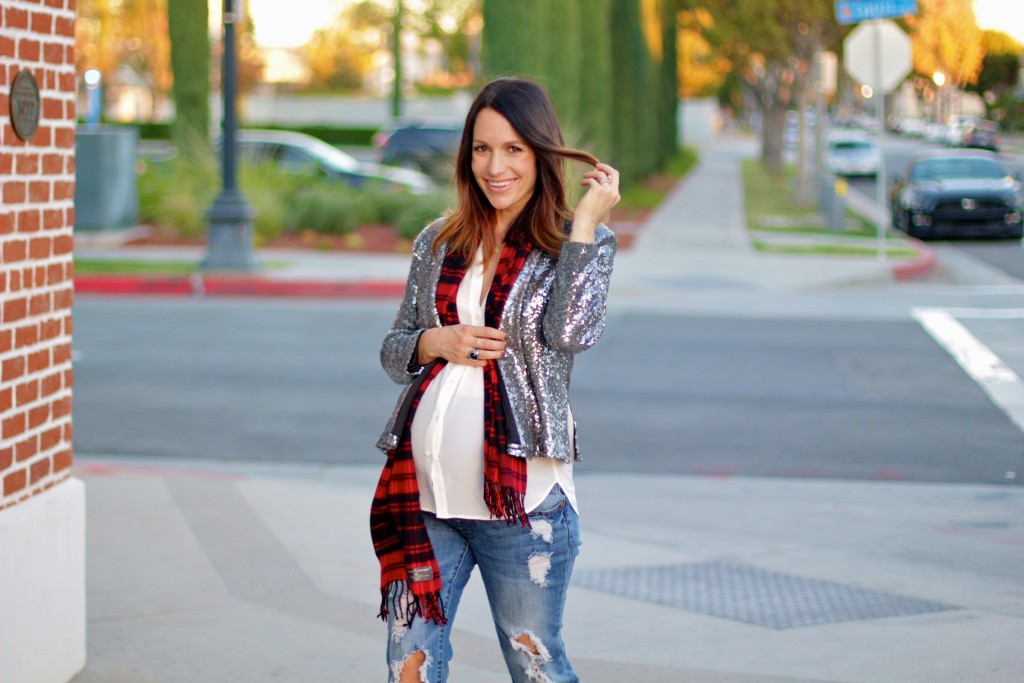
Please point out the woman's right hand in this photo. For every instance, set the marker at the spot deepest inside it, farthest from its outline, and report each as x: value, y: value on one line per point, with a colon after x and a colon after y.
x: 456, y: 343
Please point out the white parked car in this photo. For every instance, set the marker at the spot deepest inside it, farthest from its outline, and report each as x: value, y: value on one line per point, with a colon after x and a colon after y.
x: 301, y: 154
x: 955, y: 129
x: 851, y: 153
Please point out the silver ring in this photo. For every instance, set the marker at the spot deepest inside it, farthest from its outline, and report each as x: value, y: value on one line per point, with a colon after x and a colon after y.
x: 607, y: 179
x: 474, y: 354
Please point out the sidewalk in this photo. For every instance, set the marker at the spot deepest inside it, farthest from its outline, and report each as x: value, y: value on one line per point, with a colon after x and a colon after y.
x: 213, y: 572
x: 208, y: 572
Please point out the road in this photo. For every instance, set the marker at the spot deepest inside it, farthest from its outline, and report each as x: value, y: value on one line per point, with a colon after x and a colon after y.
x: 300, y: 381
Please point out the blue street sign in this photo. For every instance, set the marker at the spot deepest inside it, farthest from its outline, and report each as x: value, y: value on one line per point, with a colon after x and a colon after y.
x: 852, y: 11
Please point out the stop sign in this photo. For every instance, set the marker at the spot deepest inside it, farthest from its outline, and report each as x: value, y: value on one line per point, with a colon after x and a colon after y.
x: 871, y: 41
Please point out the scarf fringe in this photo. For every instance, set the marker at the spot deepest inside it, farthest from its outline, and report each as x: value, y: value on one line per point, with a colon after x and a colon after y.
x: 504, y: 502
x: 397, y: 598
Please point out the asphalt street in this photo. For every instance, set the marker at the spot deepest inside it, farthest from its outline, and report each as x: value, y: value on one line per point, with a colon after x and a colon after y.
x: 775, y: 396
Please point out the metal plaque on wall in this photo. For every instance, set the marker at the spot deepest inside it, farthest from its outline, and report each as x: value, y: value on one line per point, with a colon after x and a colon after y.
x: 24, y: 102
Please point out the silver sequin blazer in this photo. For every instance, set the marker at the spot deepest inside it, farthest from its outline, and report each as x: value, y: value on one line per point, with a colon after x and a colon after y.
x: 555, y: 310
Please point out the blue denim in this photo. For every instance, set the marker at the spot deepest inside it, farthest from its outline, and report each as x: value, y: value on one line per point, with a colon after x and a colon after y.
x: 526, y: 574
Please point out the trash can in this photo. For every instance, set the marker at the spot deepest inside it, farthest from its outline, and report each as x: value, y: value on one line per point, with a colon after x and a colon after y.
x: 106, y: 189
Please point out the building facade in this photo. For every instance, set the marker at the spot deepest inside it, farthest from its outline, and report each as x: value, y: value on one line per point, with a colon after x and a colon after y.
x: 42, y: 507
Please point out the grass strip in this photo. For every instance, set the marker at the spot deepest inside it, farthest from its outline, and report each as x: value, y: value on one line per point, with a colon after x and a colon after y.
x: 116, y: 266
x: 97, y: 266
x: 768, y: 198
x: 832, y: 249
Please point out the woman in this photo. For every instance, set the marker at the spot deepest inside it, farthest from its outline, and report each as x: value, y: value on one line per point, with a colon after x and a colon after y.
x: 501, y: 294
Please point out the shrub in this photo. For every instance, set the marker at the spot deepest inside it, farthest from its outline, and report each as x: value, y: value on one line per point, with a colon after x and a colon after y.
x: 324, y: 207
x: 177, y: 193
x: 420, y: 210
x: 267, y: 192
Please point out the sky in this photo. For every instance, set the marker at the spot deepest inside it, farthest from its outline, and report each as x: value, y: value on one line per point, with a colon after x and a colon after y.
x: 291, y: 23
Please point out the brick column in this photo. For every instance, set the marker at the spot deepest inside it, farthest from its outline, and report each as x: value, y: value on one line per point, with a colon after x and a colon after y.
x: 42, y: 617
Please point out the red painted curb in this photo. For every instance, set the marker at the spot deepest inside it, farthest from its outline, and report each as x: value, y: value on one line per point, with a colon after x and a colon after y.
x: 238, y: 286
x: 922, y: 265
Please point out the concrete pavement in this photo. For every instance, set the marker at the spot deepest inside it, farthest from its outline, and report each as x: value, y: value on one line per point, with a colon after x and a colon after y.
x: 213, y: 571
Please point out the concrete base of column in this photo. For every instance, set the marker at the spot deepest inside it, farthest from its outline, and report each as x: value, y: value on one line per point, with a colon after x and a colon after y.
x: 42, y: 586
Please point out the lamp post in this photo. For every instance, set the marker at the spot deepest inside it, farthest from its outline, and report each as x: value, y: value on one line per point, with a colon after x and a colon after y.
x: 229, y: 233
x: 939, y: 79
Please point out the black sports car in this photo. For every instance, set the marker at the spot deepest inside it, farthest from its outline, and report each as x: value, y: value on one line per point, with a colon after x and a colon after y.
x: 957, y: 193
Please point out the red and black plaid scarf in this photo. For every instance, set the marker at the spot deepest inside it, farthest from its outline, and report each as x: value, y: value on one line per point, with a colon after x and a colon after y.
x: 410, y: 576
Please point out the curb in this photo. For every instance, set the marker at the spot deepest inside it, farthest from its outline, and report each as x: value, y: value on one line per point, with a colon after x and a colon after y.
x: 922, y: 265
x: 241, y: 286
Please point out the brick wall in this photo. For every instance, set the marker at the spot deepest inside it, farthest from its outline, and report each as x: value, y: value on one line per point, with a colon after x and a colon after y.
x: 37, y: 182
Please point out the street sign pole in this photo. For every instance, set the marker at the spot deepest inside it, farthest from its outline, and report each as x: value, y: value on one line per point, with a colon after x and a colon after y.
x: 861, y: 48
x: 880, y: 190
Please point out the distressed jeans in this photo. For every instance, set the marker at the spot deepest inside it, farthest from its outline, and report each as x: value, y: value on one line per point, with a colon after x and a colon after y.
x: 526, y: 575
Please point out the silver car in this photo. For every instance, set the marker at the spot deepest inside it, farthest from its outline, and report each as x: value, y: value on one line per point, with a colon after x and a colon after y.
x: 301, y: 154
x: 851, y: 153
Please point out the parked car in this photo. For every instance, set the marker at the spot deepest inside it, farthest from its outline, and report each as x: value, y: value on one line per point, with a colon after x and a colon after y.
x: 426, y: 146
x: 981, y: 134
x: 957, y: 193
x: 912, y: 127
x: 954, y: 135
x: 301, y: 154
x: 851, y: 153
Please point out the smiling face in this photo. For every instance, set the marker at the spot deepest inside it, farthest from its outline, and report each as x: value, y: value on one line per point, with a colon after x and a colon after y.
x: 504, y: 166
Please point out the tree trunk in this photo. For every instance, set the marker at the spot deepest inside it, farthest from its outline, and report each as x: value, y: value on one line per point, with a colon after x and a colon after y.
x: 802, y: 192
x: 187, y: 24
x: 771, y: 136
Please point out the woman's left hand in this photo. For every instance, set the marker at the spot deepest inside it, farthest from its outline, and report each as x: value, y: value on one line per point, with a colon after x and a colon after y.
x: 602, y: 195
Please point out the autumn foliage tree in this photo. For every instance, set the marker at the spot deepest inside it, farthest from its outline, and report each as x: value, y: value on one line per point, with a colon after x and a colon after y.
x: 946, y: 39
x: 127, y: 41
x: 702, y: 67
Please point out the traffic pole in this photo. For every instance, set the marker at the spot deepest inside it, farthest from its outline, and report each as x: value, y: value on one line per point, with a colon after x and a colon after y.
x: 880, y: 191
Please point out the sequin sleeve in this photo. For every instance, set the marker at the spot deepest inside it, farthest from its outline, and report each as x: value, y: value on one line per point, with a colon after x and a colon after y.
x: 415, y: 314
x: 575, y: 316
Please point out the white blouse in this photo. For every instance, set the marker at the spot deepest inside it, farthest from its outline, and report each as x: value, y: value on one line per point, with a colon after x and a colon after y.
x: 448, y: 431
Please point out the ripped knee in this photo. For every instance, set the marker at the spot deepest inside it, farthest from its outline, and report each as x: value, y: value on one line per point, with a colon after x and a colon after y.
x: 412, y: 669
x: 538, y: 655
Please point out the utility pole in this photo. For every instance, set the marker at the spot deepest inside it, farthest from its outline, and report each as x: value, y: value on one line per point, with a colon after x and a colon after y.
x: 229, y: 233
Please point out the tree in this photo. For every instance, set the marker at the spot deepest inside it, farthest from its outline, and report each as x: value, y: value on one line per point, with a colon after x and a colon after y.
x: 774, y: 43
x: 702, y: 68
x: 946, y: 38
x: 1000, y: 68
x: 338, y: 57
x: 188, y: 26
x: 127, y: 41
x: 364, y: 28
x: 443, y: 22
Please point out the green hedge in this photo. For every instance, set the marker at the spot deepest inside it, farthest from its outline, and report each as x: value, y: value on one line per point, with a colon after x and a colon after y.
x: 609, y: 65
x: 335, y: 135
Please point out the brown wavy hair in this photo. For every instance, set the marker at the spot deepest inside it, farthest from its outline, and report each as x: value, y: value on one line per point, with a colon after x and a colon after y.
x: 528, y: 109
